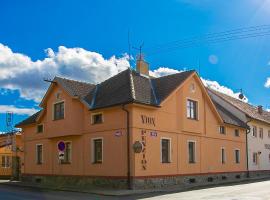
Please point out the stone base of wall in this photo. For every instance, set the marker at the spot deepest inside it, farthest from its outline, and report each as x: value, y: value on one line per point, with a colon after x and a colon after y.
x: 259, y: 173
x: 184, y: 181
x: 189, y: 180
x: 75, y: 182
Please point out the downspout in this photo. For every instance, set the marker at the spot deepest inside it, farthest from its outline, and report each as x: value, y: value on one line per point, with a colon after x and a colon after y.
x: 129, y: 181
x: 247, y: 160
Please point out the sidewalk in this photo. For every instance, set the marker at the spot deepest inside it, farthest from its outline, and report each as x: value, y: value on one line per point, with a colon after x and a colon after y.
x: 123, y: 192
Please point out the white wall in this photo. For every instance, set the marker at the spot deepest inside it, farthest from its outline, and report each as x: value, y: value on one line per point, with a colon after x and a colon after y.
x: 256, y: 144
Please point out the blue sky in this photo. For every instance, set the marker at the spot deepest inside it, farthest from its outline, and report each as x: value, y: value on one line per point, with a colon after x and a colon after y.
x: 80, y: 28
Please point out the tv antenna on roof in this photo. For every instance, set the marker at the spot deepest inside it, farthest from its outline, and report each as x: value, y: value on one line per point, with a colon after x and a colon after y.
x: 140, y: 51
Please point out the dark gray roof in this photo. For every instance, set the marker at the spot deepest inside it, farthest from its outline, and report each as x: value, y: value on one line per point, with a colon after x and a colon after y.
x: 228, y: 117
x: 29, y: 120
x: 75, y: 88
x: 128, y: 86
x: 250, y: 110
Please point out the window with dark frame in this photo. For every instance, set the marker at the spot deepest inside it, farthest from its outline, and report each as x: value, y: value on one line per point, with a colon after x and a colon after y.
x: 192, y: 109
x: 97, y: 118
x: 39, y: 151
x: 59, y: 109
x: 269, y: 134
x: 254, y: 131
x: 222, y: 130
x: 261, y: 133
x: 236, y: 133
x: 223, y: 156
x: 67, y: 154
x: 97, y: 150
x: 237, y: 156
x: 255, y: 158
x: 165, y: 150
x: 40, y: 128
x: 191, y: 152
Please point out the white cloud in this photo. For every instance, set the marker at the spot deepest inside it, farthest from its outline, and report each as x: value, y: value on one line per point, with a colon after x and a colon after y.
x: 16, y: 110
x: 163, y: 71
x: 223, y: 89
x: 267, y: 83
x: 20, y: 72
x: 213, y: 59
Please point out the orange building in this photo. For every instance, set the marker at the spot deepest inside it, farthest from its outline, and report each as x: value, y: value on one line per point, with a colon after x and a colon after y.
x: 10, y: 150
x: 133, y: 130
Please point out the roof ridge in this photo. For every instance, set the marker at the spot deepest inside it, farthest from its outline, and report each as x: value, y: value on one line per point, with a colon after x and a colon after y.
x: 69, y: 79
x: 132, y: 87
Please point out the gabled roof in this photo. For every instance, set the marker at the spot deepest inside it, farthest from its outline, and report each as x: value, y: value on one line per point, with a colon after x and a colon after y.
x: 250, y: 110
x: 126, y: 87
x: 29, y: 120
x: 228, y: 117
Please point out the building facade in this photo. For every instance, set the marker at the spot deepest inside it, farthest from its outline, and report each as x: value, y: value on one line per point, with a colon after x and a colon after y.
x: 133, y: 130
x: 258, y: 137
x: 10, y: 150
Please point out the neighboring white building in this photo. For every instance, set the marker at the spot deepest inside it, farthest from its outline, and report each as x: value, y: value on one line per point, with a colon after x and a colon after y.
x: 258, y: 138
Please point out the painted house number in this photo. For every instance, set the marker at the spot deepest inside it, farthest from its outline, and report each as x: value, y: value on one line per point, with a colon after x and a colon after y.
x: 148, y: 120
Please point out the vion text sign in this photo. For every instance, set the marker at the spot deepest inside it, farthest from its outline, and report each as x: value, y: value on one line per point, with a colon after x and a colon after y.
x: 148, y: 120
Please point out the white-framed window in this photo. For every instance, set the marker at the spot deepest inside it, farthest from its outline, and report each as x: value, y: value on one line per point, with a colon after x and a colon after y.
x: 191, y: 152
x: 192, y: 109
x: 236, y: 133
x: 222, y: 130
x: 261, y: 133
x: 40, y: 128
x: 254, y: 131
x: 237, y: 156
x: 59, y: 110
x: 97, y: 150
x: 67, y: 153
x: 97, y: 118
x: 165, y: 150
x: 255, y: 158
x: 39, y: 154
x: 223, y: 155
x: 6, y: 161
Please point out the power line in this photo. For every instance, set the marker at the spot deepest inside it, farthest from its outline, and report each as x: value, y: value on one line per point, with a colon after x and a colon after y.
x: 236, y: 34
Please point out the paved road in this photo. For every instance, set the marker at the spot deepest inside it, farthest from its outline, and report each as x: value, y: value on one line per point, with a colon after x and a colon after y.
x: 248, y: 191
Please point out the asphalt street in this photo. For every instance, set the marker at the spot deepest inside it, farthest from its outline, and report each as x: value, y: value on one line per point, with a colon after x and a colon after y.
x: 247, y: 191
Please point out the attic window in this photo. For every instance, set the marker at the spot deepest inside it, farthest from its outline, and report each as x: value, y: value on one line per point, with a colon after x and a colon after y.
x: 40, y: 128
x: 59, y: 109
x: 97, y: 118
x: 222, y: 130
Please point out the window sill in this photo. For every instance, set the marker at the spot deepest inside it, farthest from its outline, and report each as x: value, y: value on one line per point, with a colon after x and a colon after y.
x: 58, y: 119
x: 192, y: 119
x: 39, y: 163
x: 96, y: 163
x: 166, y: 162
x: 192, y: 163
x: 65, y: 163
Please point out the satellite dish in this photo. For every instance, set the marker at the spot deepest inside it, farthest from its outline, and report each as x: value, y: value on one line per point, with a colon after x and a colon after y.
x: 241, y: 96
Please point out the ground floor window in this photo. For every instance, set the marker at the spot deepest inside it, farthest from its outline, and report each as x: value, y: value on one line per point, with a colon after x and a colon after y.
x: 67, y: 153
x: 39, y: 154
x: 97, y: 150
x: 165, y: 150
x: 237, y: 156
x: 191, y: 151
x: 6, y: 161
x: 223, y: 157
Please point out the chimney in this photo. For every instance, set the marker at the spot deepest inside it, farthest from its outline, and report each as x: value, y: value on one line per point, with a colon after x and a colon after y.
x: 260, y: 109
x: 141, y: 66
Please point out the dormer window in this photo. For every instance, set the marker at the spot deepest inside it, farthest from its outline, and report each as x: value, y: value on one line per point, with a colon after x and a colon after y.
x: 40, y: 128
x: 59, y: 110
x: 97, y: 118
